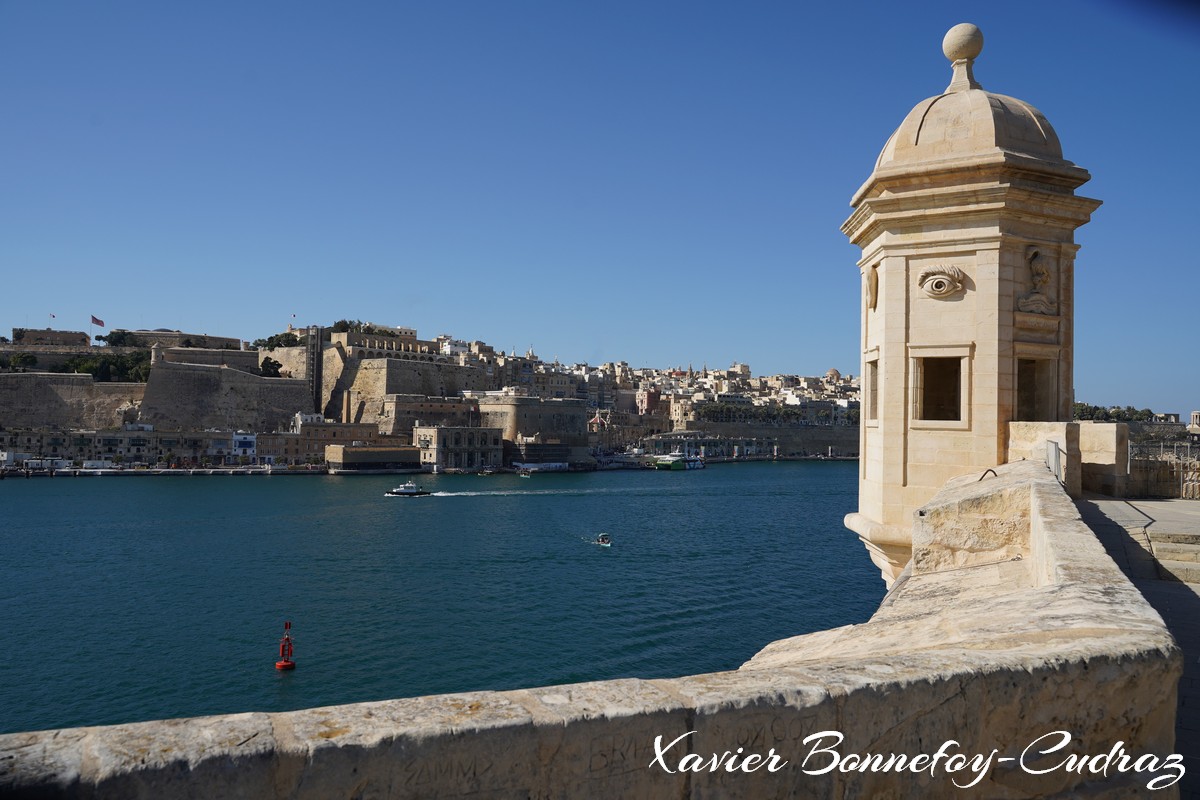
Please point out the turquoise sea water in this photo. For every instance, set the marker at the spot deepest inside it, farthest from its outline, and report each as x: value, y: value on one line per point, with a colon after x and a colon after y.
x: 125, y: 599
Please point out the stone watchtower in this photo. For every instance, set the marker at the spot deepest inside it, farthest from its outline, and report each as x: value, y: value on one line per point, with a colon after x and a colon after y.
x: 967, y: 233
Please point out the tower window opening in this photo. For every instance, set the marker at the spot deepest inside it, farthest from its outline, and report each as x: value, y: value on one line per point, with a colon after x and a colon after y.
x: 939, y: 394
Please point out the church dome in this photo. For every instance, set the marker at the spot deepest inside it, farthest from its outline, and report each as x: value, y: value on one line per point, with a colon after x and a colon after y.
x: 966, y: 121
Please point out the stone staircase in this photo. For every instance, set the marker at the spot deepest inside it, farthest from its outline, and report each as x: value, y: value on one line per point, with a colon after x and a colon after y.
x: 1177, y: 556
x: 1175, y: 595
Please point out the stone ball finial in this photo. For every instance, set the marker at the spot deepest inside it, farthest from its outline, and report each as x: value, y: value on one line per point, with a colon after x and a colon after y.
x: 963, y: 41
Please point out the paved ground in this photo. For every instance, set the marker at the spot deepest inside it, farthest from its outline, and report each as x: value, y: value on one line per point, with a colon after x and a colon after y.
x: 1157, y: 544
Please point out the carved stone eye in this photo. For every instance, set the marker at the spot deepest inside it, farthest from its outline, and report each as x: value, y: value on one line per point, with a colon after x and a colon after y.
x: 940, y: 282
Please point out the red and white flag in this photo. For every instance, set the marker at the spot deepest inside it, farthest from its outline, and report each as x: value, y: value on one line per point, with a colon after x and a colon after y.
x: 97, y: 321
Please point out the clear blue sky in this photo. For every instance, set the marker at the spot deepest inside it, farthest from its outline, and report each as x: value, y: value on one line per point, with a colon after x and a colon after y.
x: 659, y: 182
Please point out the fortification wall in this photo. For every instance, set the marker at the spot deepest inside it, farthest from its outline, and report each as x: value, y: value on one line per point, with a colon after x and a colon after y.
x: 988, y: 651
x: 60, y: 400
x: 562, y: 421
x: 192, y: 396
x: 370, y: 381
x: 293, y: 361
x: 244, y: 360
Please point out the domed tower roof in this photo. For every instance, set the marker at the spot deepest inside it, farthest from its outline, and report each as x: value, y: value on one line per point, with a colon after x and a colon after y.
x: 966, y: 121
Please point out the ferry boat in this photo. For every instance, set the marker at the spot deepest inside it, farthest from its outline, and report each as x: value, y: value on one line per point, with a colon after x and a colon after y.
x: 678, y: 460
x: 409, y: 489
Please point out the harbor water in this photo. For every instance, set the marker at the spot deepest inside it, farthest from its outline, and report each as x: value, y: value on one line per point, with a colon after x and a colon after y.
x: 127, y: 599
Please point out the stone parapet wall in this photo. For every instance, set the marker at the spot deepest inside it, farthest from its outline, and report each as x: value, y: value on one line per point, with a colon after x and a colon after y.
x: 1104, y: 453
x: 992, y: 654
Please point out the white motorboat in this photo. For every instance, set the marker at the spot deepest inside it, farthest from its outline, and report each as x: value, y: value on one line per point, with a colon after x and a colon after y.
x: 409, y: 489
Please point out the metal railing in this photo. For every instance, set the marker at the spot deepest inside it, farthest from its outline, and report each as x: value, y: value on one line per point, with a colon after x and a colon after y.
x: 1055, y: 461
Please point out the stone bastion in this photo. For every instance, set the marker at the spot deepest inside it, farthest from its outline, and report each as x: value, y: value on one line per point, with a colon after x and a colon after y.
x: 1009, y: 624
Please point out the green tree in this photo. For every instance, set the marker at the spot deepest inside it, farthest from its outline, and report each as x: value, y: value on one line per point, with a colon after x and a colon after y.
x: 270, y: 367
x: 22, y: 360
x: 118, y: 339
x: 277, y: 340
x: 125, y: 368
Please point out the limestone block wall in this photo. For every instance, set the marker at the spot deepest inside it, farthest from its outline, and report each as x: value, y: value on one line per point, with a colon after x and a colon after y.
x: 245, y: 360
x: 48, y: 400
x: 293, y: 360
x: 364, y: 385
x: 191, y: 396
x: 1104, y: 457
x: 994, y: 654
x: 554, y: 421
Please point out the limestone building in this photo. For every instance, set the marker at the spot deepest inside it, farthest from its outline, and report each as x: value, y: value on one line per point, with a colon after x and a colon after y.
x: 33, y: 336
x: 967, y: 229
x: 458, y: 448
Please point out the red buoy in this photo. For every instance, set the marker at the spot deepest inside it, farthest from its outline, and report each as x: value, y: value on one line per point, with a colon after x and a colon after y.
x: 285, y: 649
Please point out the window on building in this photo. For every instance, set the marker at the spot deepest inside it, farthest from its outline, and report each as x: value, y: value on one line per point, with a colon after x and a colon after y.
x: 939, y: 388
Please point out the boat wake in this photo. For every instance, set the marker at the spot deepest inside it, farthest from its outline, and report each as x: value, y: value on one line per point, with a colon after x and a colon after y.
x: 548, y: 492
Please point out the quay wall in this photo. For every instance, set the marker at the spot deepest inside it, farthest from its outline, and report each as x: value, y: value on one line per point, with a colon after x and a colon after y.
x: 993, y: 636
x: 794, y: 440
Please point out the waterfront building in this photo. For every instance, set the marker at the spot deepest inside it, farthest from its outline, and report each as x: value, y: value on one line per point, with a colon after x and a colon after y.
x: 402, y: 411
x: 243, y: 447
x: 361, y: 459
x: 444, y: 448
x: 305, y: 443
x: 538, y: 429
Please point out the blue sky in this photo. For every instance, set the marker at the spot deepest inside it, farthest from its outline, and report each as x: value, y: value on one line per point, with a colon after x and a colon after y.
x: 659, y: 182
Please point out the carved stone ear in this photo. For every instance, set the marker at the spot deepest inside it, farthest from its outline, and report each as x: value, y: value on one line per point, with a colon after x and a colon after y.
x: 941, y: 282
x: 872, y: 286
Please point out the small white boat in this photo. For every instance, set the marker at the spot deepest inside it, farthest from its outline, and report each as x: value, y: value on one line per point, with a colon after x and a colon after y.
x: 604, y: 540
x: 409, y: 489
x: 525, y: 473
